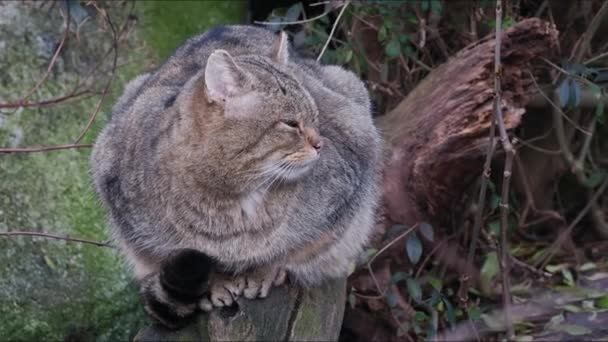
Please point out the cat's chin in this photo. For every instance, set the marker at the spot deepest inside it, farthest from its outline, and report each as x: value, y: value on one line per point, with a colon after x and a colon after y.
x: 295, y: 174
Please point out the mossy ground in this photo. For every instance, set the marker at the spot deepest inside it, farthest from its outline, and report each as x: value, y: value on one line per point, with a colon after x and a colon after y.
x: 50, y: 289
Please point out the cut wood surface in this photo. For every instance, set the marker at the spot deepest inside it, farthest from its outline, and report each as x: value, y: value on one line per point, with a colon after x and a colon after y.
x: 437, y: 136
x: 288, y: 314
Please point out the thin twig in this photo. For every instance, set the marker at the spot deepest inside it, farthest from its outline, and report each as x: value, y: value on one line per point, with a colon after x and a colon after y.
x: 590, y: 204
x: 108, y: 84
x: 53, y: 59
x: 42, y: 148
x: 58, y: 237
x: 585, y: 39
x: 333, y: 29
x: 295, y: 22
x: 47, y: 102
x: 509, y: 153
x: 388, y: 245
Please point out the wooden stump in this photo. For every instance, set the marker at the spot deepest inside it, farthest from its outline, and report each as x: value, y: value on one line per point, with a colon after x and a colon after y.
x: 288, y: 314
x: 437, y: 135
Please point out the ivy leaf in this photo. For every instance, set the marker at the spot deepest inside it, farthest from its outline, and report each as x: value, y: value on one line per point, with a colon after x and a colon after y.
x: 602, y: 302
x: 449, y: 313
x: 564, y: 93
x: 293, y: 13
x: 435, y: 283
x: 595, y: 179
x: 427, y: 231
x: 575, y: 93
x: 397, y: 277
x: 391, y: 299
x: 413, y: 247
x: 382, y: 33
x: 436, y: 7
x: 602, y: 76
x: 413, y: 288
x: 352, y: 300
x: 599, y: 109
x: 574, y: 330
x: 489, y: 270
x: 393, y: 48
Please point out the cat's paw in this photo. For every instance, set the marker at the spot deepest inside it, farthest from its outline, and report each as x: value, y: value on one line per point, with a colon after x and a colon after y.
x: 225, y: 290
x: 258, y: 284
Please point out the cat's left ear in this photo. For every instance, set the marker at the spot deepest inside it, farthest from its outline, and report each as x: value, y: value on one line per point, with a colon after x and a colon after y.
x: 280, y: 49
x: 223, y: 77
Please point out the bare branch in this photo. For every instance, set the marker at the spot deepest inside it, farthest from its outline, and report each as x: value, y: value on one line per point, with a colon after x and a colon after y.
x: 333, y: 29
x: 57, y: 237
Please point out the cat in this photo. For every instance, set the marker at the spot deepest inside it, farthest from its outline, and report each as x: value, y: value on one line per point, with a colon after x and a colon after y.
x: 235, y: 163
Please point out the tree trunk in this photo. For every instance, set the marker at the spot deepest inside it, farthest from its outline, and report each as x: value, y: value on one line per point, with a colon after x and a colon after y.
x: 287, y: 314
x: 437, y: 135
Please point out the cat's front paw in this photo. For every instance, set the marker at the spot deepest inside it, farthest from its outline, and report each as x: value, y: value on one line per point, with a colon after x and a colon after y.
x: 258, y: 284
x: 224, y: 291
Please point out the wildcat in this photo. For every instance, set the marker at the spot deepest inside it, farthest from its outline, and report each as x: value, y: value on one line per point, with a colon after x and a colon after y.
x: 233, y: 163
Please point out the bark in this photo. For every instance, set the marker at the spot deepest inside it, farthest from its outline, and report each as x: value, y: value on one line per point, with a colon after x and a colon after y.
x: 287, y: 314
x: 437, y: 136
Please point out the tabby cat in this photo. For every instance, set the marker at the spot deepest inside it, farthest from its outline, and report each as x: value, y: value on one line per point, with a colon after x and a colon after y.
x: 235, y: 163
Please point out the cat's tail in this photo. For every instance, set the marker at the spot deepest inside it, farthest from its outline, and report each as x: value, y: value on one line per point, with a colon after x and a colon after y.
x: 171, y: 297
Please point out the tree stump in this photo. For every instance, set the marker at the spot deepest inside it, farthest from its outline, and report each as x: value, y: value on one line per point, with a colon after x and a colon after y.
x: 289, y: 313
x: 437, y: 136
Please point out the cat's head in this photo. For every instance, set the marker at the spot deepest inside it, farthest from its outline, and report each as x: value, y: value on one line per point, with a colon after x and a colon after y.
x: 266, y: 127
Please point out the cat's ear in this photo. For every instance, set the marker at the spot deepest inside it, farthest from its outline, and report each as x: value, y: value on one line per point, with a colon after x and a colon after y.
x: 280, y: 49
x: 223, y: 77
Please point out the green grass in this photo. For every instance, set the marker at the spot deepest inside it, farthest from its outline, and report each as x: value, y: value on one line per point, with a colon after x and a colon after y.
x: 167, y: 24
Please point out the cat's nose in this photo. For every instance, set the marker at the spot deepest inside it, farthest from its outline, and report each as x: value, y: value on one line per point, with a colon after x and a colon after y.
x: 313, y: 138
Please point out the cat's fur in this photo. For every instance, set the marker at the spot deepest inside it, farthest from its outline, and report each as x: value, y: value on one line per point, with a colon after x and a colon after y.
x: 184, y: 168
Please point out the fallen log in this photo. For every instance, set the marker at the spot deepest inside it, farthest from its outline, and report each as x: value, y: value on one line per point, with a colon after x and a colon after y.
x: 437, y: 136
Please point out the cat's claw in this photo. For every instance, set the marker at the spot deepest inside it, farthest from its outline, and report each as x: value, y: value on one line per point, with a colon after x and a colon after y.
x: 258, y: 284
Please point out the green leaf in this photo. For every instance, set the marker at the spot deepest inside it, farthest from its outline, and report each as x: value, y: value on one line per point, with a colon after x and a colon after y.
x: 367, y: 255
x: 494, y: 227
x: 490, y: 268
x: 435, y: 283
x: 574, y: 330
x: 427, y: 231
x: 393, y: 48
x: 564, y: 93
x: 571, y: 308
x: 594, y: 179
x: 413, y: 247
x: 352, y: 300
x: 568, y: 278
x: 575, y: 93
x: 602, y: 302
x: 474, y: 313
x: 436, y: 7
x: 397, y: 277
x: 293, y: 13
x: 382, y: 33
x: 420, y: 316
x: 494, y: 201
x: 391, y: 299
x: 425, y: 5
x: 413, y: 288
x: 449, y: 313
x: 493, y: 321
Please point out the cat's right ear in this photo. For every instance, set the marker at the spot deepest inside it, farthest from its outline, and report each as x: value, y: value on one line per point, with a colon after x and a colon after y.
x: 223, y: 77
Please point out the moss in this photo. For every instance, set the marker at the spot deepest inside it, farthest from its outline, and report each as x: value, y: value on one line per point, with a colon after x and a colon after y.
x: 54, y: 290
x: 169, y: 23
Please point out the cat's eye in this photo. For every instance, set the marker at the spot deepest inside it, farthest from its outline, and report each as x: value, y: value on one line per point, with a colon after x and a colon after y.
x: 291, y: 123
